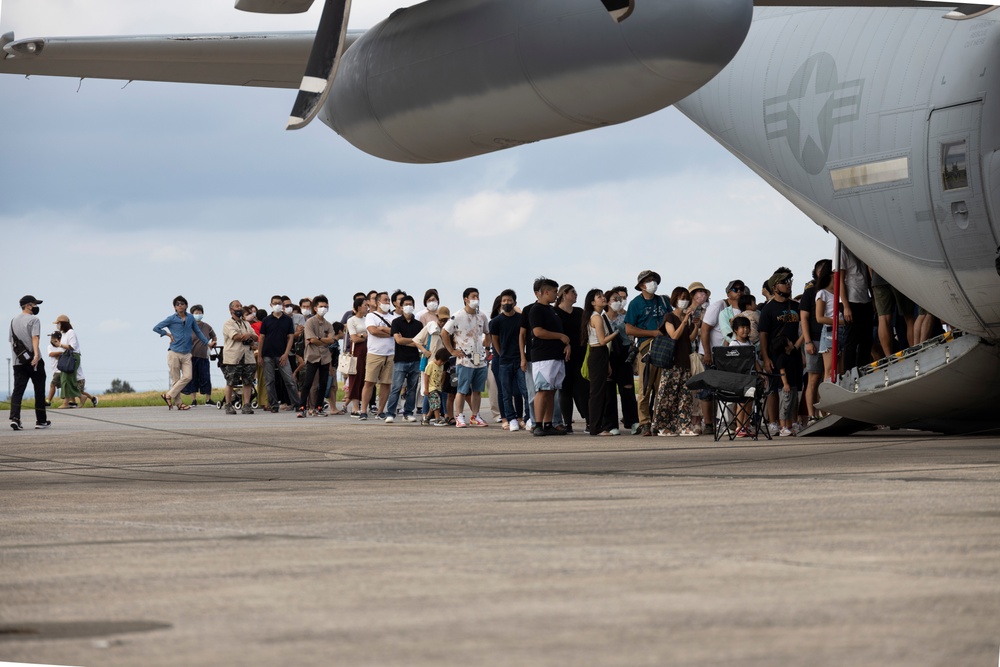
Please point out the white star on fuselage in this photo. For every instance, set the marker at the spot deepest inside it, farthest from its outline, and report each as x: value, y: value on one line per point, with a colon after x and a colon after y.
x: 809, y: 109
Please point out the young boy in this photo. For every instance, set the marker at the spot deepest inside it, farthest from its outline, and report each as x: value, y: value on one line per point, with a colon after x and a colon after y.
x: 741, y: 338
x: 435, y: 382
x: 54, y: 351
x: 748, y: 309
x: 788, y: 362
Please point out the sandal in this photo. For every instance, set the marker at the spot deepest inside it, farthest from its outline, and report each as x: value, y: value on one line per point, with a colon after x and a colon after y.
x: 166, y: 399
x: 183, y: 406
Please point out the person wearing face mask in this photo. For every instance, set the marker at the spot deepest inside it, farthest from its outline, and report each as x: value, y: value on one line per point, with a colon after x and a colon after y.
x: 465, y: 339
x: 179, y: 328
x: 25, y: 331
x: 277, y: 333
x: 239, y: 366
x: 429, y: 312
x: 716, y: 327
x: 621, y: 370
x: 576, y: 388
x: 672, y: 405
x: 318, y: 338
x: 643, y: 321
x: 381, y: 350
x: 201, y: 369
x: 405, y: 362
x: 505, y: 331
x: 429, y: 342
x: 779, y: 316
x: 357, y: 334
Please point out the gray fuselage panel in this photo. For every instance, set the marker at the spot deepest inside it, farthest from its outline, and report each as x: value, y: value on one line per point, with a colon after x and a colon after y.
x: 880, y: 125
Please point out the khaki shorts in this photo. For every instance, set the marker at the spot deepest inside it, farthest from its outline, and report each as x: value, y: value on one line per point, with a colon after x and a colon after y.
x: 378, y: 369
x: 887, y: 296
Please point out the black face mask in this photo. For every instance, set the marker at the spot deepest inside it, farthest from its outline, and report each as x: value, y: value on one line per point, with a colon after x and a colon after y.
x: 34, y: 310
x: 508, y: 307
x: 238, y: 312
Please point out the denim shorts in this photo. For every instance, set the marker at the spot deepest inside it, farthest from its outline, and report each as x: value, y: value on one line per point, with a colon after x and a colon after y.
x: 471, y: 379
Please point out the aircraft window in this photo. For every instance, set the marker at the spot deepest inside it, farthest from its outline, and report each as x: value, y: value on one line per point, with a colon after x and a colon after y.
x: 871, y: 173
x: 619, y: 9
x: 954, y: 165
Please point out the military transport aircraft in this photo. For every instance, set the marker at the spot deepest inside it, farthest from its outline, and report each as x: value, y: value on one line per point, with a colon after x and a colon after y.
x: 875, y: 118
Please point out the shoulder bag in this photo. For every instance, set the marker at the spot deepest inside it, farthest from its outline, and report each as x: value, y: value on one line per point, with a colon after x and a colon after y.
x: 661, y: 352
x: 347, y: 363
x: 67, y: 362
x: 21, y: 351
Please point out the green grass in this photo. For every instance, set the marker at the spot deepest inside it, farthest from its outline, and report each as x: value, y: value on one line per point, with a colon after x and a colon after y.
x: 133, y: 400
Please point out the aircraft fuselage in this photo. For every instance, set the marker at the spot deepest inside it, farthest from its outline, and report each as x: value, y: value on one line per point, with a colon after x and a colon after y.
x: 883, y: 126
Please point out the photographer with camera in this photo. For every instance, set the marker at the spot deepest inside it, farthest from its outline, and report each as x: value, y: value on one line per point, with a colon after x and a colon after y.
x: 238, y: 362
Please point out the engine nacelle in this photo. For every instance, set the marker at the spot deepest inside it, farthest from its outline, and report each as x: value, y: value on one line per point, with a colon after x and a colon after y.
x: 449, y: 79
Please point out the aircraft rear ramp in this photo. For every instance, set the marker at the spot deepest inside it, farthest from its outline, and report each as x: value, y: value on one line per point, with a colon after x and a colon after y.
x: 950, y: 384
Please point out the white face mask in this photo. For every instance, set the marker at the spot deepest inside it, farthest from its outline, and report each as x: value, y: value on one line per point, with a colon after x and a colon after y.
x: 473, y: 304
x: 277, y: 308
x: 432, y: 306
x: 198, y: 317
x: 322, y: 310
x: 407, y: 310
x: 683, y: 303
x: 617, y: 306
x: 651, y: 286
x: 307, y: 311
x: 288, y: 310
x: 385, y: 307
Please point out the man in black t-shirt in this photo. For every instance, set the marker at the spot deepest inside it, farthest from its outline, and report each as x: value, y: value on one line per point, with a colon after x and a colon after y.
x: 405, y: 362
x: 780, y: 315
x: 505, y: 332
x: 550, y: 350
x: 277, y: 333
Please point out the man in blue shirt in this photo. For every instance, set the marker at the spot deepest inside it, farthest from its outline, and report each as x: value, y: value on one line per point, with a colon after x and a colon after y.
x: 643, y: 321
x: 179, y: 328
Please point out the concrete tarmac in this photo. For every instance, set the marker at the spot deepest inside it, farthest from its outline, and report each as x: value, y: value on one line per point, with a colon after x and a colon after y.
x: 146, y: 537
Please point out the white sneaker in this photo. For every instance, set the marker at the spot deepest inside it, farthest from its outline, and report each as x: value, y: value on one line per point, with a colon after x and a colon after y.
x: 785, y: 432
x: 528, y: 425
x: 514, y: 426
x: 498, y: 420
x: 460, y: 421
x: 390, y: 419
x: 409, y: 418
x: 773, y: 429
x: 615, y: 431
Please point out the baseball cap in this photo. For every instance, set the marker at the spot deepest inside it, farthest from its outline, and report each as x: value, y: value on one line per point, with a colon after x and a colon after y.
x: 26, y: 299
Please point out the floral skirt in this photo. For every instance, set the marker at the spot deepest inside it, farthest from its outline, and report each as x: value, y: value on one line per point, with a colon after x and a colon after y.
x: 672, y: 405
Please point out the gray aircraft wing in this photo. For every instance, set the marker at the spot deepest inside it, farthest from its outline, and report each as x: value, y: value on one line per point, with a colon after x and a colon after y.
x: 960, y: 11
x: 271, y: 60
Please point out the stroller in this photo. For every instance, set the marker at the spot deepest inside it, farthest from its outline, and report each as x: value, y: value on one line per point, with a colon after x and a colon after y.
x: 215, y: 354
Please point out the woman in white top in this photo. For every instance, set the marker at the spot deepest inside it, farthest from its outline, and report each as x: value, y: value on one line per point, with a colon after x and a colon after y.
x: 603, y: 405
x: 357, y: 334
x: 70, y: 386
x: 824, y: 316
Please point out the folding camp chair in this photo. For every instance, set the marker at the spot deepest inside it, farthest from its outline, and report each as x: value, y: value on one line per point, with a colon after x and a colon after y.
x: 752, y: 402
x: 736, y: 387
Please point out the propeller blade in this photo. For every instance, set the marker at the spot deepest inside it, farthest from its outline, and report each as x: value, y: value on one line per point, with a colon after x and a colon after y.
x: 323, y: 63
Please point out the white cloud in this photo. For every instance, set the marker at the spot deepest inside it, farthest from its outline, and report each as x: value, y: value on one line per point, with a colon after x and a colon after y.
x: 487, y: 214
x: 114, y: 326
x: 170, y: 254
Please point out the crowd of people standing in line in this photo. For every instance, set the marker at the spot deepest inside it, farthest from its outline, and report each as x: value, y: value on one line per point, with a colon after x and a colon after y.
x: 540, y: 361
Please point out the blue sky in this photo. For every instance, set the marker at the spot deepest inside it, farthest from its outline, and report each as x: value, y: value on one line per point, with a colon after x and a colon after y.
x: 115, y: 200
